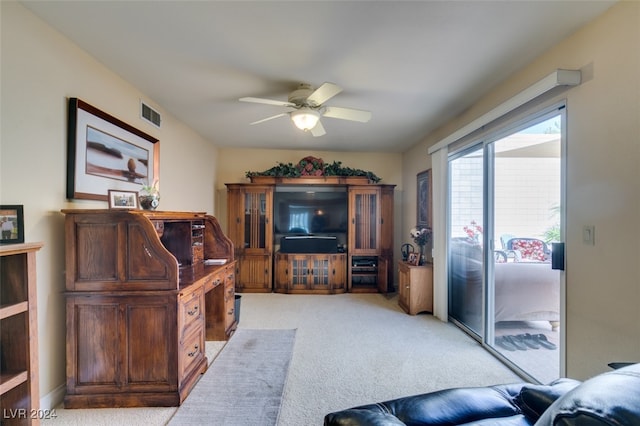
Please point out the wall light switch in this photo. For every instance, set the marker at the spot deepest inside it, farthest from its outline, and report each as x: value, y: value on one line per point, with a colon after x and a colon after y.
x: 588, y: 235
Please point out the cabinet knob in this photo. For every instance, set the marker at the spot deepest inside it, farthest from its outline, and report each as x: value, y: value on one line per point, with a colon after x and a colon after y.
x: 193, y: 311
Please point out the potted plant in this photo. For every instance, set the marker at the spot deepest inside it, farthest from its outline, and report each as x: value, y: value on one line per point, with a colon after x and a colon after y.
x: 149, y: 196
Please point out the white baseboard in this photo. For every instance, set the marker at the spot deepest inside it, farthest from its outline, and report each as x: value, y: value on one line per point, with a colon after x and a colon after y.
x: 53, y: 399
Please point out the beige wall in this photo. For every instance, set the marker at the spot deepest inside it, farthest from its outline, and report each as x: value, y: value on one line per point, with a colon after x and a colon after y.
x: 603, y: 183
x: 39, y: 70
x: 234, y: 163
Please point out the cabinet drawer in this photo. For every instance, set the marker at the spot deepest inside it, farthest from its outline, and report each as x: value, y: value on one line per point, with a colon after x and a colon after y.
x: 191, y: 352
x: 191, y: 311
x: 214, y: 281
x: 230, y: 275
x: 229, y: 292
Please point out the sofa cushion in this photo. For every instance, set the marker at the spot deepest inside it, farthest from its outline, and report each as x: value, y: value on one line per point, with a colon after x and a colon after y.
x: 610, y: 399
x: 534, y: 400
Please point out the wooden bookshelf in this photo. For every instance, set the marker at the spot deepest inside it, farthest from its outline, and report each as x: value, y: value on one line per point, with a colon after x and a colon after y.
x: 19, y: 393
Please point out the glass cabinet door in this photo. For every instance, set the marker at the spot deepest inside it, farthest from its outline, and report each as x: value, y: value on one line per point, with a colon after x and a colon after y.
x: 257, y: 226
x: 299, y: 272
x: 320, y: 272
x: 365, y: 220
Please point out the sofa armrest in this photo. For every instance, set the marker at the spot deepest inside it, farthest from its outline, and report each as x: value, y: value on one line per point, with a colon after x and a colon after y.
x: 449, y: 406
x: 534, y: 400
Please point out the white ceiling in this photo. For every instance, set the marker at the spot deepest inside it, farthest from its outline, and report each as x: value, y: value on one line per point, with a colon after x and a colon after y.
x: 412, y: 64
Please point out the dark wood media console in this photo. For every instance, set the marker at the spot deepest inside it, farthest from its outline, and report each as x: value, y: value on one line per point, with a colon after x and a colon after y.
x: 144, y: 290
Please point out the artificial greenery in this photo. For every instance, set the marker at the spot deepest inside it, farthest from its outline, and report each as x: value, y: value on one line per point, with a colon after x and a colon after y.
x: 313, y: 166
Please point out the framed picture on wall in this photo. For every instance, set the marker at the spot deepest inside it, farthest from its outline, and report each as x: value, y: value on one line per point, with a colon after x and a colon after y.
x: 106, y: 153
x: 423, y: 199
x: 11, y: 224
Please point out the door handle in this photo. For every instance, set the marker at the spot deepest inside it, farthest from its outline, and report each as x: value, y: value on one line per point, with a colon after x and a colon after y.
x: 557, y: 256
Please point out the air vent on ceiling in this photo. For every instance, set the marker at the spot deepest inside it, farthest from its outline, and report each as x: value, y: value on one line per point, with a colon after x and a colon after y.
x: 150, y: 114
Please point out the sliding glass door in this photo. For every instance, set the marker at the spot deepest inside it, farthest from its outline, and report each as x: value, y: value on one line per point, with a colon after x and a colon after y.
x: 505, y: 213
x: 466, y: 249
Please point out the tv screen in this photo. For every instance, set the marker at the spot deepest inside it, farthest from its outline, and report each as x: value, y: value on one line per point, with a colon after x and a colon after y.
x: 306, y: 211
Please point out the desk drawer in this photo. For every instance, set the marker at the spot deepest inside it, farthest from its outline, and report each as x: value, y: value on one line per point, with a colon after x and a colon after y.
x: 191, y: 311
x: 229, y: 303
x: 191, y: 352
x: 214, y: 281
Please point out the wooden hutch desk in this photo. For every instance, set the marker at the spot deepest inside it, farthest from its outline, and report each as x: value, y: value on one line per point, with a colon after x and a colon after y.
x: 141, y: 301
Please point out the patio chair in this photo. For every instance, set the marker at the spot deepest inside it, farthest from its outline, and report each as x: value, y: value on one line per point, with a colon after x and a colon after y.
x: 529, y: 249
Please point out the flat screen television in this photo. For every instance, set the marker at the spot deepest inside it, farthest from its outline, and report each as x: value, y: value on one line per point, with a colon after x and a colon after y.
x: 310, y: 211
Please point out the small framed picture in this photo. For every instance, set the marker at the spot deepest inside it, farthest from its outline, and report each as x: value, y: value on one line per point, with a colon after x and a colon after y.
x: 413, y: 259
x: 12, y: 224
x: 123, y: 199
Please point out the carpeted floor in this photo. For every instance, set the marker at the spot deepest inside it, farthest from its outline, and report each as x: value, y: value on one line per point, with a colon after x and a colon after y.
x: 350, y: 349
x: 243, y: 386
x: 354, y: 349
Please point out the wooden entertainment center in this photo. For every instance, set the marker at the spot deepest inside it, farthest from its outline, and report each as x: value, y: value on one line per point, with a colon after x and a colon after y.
x: 144, y: 290
x: 363, y: 264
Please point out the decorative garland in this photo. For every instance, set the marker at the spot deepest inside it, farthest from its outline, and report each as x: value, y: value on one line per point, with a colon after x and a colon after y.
x: 313, y: 166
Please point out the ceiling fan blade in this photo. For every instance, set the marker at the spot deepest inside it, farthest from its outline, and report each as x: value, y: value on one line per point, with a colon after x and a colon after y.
x: 347, y: 114
x: 269, y: 118
x: 323, y: 94
x: 267, y: 101
x: 318, y: 130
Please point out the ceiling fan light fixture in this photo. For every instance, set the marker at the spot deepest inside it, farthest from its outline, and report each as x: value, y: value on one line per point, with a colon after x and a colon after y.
x: 305, y: 118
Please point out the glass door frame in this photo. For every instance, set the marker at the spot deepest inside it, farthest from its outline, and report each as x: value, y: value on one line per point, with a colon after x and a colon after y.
x: 486, y: 144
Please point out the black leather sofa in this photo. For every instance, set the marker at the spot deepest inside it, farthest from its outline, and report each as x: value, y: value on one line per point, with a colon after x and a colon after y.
x: 611, y: 398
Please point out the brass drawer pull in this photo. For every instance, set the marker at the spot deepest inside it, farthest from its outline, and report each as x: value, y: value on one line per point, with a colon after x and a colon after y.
x: 195, y: 351
x: 193, y: 311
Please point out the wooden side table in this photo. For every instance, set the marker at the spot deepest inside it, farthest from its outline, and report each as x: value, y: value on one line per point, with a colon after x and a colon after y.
x: 415, y: 288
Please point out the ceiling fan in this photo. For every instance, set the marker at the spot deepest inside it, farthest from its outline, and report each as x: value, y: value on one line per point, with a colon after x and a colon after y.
x: 308, y: 106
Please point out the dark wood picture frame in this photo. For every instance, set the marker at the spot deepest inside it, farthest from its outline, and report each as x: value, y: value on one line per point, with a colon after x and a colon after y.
x: 12, y: 224
x: 106, y: 153
x: 423, y: 199
x: 413, y: 259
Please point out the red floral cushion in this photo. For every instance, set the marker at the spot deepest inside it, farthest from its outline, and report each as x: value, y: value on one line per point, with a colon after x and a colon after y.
x: 529, y: 249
